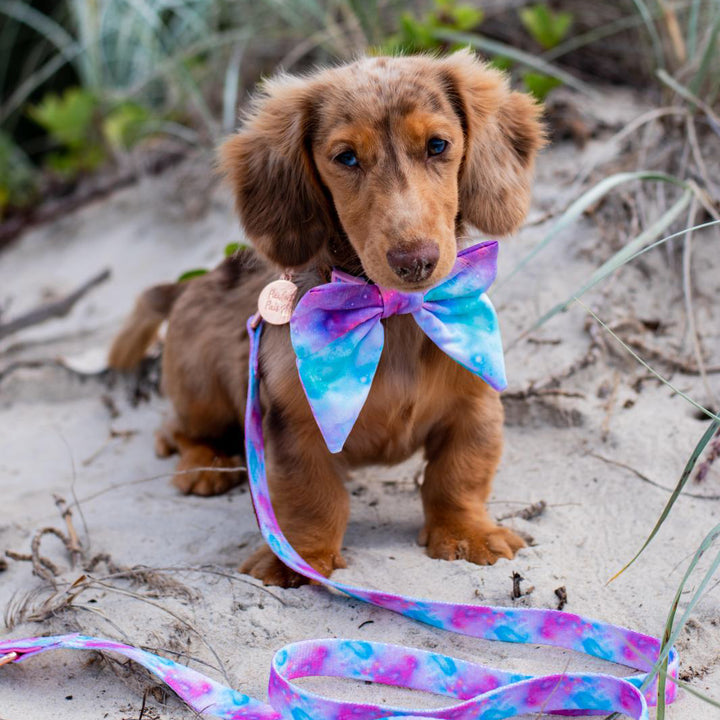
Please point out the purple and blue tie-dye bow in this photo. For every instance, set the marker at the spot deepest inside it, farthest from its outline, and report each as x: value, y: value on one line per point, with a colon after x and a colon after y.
x: 338, y: 336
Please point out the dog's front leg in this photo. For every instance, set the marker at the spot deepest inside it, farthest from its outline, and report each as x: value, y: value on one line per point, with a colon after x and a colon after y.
x: 310, y: 502
x: 463, y: 452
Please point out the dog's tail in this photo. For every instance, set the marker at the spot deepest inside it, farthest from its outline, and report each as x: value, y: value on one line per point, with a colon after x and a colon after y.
x: 140, y: 328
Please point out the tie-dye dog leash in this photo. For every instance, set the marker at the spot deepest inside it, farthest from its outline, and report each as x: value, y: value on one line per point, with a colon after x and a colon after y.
x: 478, y: 692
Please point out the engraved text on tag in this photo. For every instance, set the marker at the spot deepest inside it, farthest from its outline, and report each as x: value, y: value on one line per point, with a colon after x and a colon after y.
x: 276, y: 302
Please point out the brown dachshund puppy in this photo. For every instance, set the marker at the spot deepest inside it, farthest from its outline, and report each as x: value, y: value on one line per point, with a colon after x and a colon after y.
x: 374, y: 168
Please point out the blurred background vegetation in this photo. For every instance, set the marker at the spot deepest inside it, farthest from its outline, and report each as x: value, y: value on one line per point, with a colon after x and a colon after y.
x: 95, y: 91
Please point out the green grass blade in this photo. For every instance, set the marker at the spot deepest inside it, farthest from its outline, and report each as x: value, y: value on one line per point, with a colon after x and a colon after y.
x: 42, y: 24
x: 707, y: 436
x: 8, y: 36
x: 672, y: 630
x: 168, y: 64
x: 647, y: 17
x: 299, y: 13
x: 87, y: 17
x: 127, y: 53
x: 190, y: 18
x: 709, y: 56
x: 576, y: 209
x: 497, y: 48
x: 620, y: 258
x: 145, y: 12
x: 598, y: 33
x: 231, y: 87
x: 27, y: 87
x: 690, y: 97
x: 166, y: 127
x: 366, y: 11
x: 692, y: 28
x: 672, y: 236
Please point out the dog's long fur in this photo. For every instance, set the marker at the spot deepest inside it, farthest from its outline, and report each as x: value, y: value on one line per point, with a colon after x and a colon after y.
x: 305, y: 209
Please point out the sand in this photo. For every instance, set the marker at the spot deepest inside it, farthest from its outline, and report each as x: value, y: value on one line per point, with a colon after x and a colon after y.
x: 601, y: 455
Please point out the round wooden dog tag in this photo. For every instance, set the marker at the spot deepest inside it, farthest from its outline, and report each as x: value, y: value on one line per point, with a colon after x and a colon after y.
x: 276, y: 301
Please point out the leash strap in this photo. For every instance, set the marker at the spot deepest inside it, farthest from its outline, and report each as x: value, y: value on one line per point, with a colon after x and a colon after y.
x: 478, y: 692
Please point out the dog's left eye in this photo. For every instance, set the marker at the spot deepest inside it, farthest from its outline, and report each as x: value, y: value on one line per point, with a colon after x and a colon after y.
x: 436, y: 146
x: 347, y: 158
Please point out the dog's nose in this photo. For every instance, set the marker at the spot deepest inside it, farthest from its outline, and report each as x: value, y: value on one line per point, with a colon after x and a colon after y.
x: 414, y: 263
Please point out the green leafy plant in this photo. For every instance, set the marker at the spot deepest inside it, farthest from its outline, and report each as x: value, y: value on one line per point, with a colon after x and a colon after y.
x: 71, y: 121
x: 540, y: 85
x: 84, y: 133
x: 190, y: 274
x: 230, y: 249
x: 67, y: 118
x: 418, y: 35
x: 125, y: 125
x: 547, y: 27
x: 451, y: 26
x: 234, y: 247
x: 507, y: 56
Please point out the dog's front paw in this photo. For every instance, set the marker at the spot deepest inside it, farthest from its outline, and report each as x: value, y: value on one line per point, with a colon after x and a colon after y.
x: 265, y: 566
x: 482, y: 545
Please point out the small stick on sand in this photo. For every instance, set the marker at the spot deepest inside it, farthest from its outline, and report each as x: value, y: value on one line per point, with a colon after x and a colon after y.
x: 561, y: 594
x: 527, y: 513
x: 44, y: 567
x: 516, y: 578
x: 73, y: 544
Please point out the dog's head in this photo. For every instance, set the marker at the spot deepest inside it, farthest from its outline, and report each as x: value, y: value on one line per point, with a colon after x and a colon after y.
x: 390, y: 154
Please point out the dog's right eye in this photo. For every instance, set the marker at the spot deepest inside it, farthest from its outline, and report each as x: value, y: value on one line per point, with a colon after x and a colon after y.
x: 347, y: 158
x: 436, y: 146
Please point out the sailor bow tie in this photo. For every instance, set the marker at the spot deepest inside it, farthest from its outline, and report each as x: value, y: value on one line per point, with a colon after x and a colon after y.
x: 338, y: 335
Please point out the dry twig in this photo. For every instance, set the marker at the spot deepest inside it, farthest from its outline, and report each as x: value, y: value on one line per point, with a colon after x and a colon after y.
x: 527, y: 513
x: 56, y: 309
x: 646, y: 479
x: 516, y: 578
x: 73, y: 545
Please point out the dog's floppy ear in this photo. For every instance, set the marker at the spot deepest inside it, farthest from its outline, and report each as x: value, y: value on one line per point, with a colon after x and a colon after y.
x: 503, y: 134
x: 269, y: 163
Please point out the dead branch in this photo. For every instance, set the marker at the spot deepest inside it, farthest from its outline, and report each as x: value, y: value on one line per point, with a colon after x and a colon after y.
x: 57, y: 309
x: 535, y: 392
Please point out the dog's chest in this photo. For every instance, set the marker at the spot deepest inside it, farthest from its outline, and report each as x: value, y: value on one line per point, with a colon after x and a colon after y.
x: 402, y: 405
